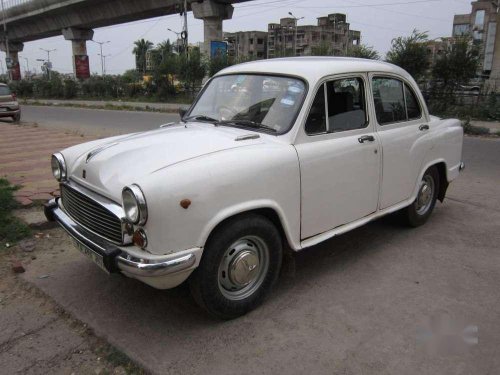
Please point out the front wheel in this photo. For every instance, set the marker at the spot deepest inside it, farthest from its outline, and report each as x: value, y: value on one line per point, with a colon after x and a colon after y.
x: 419, y: 211
x: 16, y: 118
x: 240, y: 264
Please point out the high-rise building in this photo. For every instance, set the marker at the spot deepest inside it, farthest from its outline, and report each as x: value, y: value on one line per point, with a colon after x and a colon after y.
x: 482, y: 25
x: 244, y: 45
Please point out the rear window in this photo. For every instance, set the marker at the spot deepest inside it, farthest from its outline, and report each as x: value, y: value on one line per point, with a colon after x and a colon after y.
x: 4, y: 90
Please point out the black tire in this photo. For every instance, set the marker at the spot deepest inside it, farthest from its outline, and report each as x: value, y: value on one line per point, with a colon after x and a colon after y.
x: 205, y: 282
x: 415, y: 216
x: 16, y: 118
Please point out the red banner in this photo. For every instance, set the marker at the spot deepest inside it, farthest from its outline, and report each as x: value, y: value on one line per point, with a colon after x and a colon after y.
x: 82, y: 69
x: 16, y: 72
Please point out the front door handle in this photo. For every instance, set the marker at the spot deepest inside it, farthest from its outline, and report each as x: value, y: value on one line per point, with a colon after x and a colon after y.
x: 369, y: 138
x: 423, y: 127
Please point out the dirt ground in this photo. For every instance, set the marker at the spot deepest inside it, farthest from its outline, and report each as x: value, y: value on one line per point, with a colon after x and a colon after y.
x: 39, y: 337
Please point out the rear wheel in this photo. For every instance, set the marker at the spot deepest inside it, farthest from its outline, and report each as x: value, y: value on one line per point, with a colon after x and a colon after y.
x: 419, y: 211
x: 240, y: 264
x: 17, y: 118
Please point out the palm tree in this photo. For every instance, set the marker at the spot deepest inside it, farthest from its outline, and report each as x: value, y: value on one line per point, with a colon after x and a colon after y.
x: 142, y: 46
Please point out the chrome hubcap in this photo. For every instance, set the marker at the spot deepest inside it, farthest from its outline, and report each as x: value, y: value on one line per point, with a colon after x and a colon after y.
x: 243, y: 267
x: 425, y: 195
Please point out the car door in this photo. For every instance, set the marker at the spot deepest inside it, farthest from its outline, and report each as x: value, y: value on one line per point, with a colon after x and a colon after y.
x: 339, y: 157
x: 401, y: 125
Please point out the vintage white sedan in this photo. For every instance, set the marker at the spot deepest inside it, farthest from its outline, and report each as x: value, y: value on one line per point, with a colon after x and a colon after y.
x: 272, y: 155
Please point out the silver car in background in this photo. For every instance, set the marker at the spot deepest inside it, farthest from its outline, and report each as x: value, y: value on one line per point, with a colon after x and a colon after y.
x: 9, y: 106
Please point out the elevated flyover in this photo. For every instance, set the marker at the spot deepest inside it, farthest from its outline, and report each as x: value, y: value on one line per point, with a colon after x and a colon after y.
x: 28, y: 20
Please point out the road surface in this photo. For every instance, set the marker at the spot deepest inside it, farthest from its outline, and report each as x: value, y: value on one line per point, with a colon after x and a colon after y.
x: 94, y: 121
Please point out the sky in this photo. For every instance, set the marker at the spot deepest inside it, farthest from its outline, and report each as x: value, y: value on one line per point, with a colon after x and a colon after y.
x: 378, y: 20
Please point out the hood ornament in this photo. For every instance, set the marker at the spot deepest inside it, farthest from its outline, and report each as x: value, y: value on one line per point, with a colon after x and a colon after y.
x: 94, y: 152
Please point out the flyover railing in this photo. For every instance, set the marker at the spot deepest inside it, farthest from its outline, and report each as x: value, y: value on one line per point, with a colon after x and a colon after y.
x: 13, y: 3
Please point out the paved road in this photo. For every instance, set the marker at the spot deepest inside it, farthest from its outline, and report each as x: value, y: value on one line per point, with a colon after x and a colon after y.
x: 95, y: 121
x: 381, y: 299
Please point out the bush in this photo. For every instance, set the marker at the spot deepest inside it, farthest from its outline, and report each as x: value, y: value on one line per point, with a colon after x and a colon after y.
x: 70, y: 89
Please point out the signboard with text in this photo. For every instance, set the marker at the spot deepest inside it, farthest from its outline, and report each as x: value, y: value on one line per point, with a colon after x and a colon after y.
x: 82, y: 69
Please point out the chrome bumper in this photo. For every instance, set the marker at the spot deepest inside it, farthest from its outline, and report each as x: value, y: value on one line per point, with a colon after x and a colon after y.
x: 115, y: 258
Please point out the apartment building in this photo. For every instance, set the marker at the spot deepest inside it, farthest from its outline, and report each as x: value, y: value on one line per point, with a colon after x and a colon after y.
x: 243, y: 45
x: 289, y: 39
x: 482, y: 23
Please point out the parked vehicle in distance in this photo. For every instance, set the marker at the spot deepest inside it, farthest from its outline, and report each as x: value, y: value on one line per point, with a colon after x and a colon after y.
x: 9, y: 106
x: 305, y: 149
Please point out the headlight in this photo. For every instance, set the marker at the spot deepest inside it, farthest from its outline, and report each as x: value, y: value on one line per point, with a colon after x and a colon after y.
x: 134, y: 205
x: 58, y: 166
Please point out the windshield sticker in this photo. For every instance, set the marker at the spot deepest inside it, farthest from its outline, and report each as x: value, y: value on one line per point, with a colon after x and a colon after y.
x: 288, y: 101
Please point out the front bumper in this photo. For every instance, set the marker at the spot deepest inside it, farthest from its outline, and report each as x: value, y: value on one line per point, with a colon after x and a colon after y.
x: 117, y: 259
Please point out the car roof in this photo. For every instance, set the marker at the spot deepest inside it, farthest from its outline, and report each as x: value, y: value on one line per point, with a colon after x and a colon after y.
x: 315, y: 68
x: 3, y: 84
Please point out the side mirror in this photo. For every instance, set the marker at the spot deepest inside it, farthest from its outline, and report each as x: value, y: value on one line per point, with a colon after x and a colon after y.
x: 183, y: 110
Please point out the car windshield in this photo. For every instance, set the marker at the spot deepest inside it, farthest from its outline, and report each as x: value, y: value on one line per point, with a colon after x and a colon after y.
x: 249, y: 100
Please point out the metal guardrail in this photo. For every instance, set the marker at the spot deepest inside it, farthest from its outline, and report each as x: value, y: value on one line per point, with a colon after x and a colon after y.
x: 13, y: 3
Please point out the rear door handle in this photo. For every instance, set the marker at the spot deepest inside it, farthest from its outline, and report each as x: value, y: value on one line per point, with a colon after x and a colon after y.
x: 369, y: 138
x: 423, y: 127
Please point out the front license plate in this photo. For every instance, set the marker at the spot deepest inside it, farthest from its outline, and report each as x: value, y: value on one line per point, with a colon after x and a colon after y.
x: 3, y: 109
x: 96, y: 258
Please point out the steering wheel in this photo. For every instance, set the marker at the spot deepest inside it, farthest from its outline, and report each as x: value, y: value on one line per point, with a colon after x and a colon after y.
x: 230, y: 113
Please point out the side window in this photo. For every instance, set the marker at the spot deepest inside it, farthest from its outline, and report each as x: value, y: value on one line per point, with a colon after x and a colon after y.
x: 346, y: 105
x: 316, y: 121
x: 412, y: 106
x: 389, y: 100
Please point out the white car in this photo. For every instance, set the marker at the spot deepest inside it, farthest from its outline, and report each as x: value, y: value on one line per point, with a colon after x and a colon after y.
x: 216, y: 198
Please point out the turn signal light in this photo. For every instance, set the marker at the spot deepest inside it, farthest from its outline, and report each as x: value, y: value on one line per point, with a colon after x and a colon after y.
x: 139, y: 239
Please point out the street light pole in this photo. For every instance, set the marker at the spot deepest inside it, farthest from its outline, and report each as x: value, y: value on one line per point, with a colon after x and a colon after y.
x: 295, y: 35
x: 102, y: 60
x: 48, y: 59
x: 178, y: 35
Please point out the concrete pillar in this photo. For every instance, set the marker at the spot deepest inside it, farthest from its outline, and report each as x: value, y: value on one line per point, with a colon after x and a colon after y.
x: 14, y: 49
x: 78, y: 38
x: 212, y: 14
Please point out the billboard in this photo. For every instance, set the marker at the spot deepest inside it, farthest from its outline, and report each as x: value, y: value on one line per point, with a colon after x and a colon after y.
x: 16, y: 72
x: 82, y: 69
x: 218, y: 49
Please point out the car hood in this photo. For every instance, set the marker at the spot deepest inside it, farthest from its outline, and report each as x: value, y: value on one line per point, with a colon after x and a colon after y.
x: 108, y: 165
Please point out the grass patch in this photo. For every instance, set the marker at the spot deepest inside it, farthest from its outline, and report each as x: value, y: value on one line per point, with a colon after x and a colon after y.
x: 11, y: 228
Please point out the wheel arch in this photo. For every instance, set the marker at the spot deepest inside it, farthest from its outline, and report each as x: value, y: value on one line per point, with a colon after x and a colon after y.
x: 443, y: 177
x: 270, y: 212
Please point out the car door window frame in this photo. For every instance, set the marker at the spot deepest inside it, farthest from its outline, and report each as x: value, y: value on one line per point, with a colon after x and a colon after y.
x: 374, y: 75
x: 366, y: 98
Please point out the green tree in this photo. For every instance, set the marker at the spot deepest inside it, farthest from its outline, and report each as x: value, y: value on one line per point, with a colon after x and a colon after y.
x: 363, y: 52
x: 218, y: 63
x: 165, y: 48
x: 142, y: 46
x: 322, y: 49
x: 191, y: 69
x: 410, y: 53
x: 457, y: 65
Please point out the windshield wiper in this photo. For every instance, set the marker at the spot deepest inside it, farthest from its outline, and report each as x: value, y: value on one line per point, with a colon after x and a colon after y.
x: 249, y: 124
x: 201, y: 118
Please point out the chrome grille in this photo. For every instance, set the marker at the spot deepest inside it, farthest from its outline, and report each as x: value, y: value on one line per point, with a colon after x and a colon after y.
x: 91, y: 214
